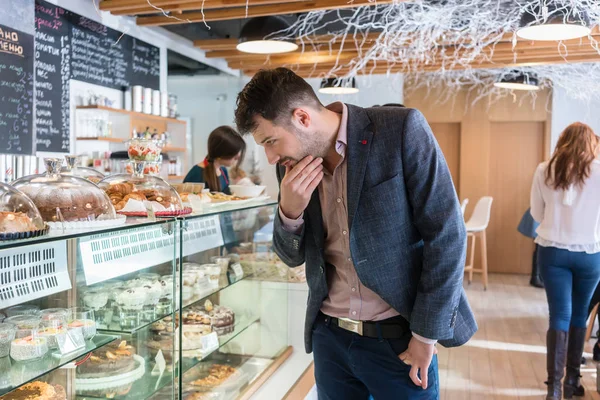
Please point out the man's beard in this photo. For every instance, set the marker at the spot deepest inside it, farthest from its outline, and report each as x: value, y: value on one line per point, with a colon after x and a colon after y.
x: 313, y: 145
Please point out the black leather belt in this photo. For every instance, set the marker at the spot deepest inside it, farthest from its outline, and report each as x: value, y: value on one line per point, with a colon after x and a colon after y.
x: 392, y: 328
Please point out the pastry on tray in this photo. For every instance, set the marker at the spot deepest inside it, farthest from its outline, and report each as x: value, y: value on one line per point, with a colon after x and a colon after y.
x: 217, y: 374
x: 121, y: 193
x: 37, y: 390
x: 113, y: 359
x: 107, y: 393
x: 15, y: 222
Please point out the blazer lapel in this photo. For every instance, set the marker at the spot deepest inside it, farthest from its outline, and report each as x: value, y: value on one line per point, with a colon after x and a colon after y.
x: 360, y: 139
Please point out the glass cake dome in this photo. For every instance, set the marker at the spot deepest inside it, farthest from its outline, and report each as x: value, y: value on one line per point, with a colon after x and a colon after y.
x: 130, y: 192
x: 18, y: 214
x: 73, y: 168
x: 60, y: 197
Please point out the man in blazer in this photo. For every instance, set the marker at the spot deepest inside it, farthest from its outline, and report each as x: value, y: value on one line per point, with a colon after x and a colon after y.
x: 368, y: 205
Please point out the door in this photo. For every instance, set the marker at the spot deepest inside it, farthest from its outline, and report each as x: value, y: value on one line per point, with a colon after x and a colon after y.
x: 515, y: 152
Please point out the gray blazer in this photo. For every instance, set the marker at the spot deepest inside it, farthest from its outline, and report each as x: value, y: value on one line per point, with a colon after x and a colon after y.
x: 407, y: 233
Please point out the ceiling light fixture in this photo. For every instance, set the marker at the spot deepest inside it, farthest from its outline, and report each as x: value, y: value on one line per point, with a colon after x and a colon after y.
x: 557, y: 24
x: 253, y: 34
x: 337, y: 86
x: 518, y: 81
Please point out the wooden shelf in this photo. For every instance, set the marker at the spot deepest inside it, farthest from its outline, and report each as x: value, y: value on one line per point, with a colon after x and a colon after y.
x: 103, y: 139
x: 133, y: 114
x: 172, y: 149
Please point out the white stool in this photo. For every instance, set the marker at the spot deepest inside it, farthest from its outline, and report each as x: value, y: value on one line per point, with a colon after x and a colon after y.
x: 476, y: 226
x: 463, y: 206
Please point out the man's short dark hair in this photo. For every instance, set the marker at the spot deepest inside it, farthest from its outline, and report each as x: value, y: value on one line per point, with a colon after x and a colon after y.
x: 273, y: 94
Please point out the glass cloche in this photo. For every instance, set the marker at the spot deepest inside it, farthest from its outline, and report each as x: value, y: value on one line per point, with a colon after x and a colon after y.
x: 133, y: 194
x: 73, y: 168
x: 19, y: 217
x: 60, y: 197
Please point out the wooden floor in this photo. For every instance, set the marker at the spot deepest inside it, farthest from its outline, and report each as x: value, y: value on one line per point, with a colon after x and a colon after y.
x: 506, y: 359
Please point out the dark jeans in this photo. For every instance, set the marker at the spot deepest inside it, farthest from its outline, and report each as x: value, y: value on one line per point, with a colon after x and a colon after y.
x: 570, y: 279
x: 350, y: 367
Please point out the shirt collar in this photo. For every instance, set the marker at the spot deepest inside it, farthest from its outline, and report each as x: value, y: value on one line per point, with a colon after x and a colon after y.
x: 342, y: 136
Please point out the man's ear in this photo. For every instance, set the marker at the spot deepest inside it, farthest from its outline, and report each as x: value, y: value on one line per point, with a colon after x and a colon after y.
x: 301, y: 118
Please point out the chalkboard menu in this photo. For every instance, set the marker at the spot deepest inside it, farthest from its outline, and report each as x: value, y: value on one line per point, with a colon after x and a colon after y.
x: 16, y: 91
x: 145, y: 64
x: 70, y: 46
x: 52, y: 74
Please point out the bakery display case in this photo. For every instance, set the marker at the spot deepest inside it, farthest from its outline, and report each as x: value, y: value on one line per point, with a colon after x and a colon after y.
x: 153, y: 309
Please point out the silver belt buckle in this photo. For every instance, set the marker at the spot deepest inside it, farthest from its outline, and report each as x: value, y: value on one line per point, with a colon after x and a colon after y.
x: 351, y: 325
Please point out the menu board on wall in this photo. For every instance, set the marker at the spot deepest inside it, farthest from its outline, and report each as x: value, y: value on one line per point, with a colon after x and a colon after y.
x: 70, y: 46
x: 52, y: 71
x: 99, y: 55
x: 145, y: 64
x: 16, y: 91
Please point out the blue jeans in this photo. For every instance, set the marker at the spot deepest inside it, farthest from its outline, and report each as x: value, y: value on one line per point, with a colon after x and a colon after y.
x: 570, y: 279
x: 352, y: 367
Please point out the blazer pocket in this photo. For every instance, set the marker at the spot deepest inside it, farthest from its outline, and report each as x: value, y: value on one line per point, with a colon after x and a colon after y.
x: 388, y: 184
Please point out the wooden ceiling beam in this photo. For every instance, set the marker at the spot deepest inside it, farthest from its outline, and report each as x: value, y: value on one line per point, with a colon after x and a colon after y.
x: 178, y: 7
x: 231, y: 55
x: 230, y: 44
x: 257, y: 11
x: 117, y: 5
x: 238, y: 56
x: 323, y: 70
x: 344, y: 58
x: 216, y: 44
x: 316, y: 58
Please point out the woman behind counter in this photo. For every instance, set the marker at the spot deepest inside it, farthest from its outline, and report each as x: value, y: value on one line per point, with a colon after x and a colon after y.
x: 226, y: 148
